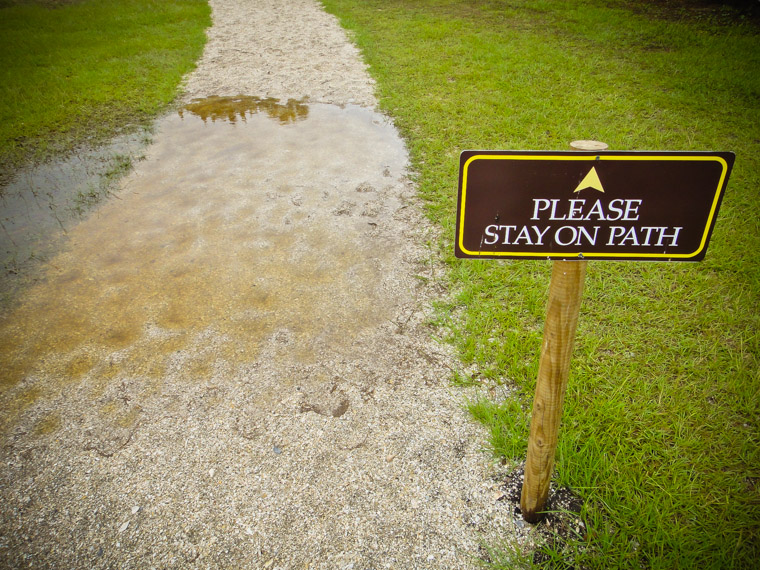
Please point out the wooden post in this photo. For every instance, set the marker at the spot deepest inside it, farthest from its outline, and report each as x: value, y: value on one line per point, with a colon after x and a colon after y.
x: 565, y: 294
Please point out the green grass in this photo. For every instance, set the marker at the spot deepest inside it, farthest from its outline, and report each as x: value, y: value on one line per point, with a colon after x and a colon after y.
x: 78, y: 72
x: 661, y: 424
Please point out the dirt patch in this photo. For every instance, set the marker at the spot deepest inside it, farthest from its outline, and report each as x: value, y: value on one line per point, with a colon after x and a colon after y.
x: 229, y: 365
x: 720, y: 13
x: 562, y: 523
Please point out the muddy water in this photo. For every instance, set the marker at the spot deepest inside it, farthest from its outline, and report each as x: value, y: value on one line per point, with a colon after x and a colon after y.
x: 41, y: 202
x: 246, y: 220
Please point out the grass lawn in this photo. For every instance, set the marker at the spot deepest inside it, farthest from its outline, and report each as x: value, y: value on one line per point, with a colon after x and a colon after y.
x: 661, y: 427
x: 79, y: 71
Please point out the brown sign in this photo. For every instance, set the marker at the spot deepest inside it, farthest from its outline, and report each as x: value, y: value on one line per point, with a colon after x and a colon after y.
x: 589, y: 205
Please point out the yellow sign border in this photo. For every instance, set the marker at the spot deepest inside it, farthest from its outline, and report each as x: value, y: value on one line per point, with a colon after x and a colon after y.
x: 594, y: 157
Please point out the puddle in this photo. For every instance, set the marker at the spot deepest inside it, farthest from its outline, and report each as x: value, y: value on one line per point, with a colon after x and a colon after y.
x: 231, y: 231
x: 40, y: 203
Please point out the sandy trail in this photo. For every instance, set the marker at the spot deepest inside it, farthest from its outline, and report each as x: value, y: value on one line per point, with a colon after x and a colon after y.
x: 228, y: 366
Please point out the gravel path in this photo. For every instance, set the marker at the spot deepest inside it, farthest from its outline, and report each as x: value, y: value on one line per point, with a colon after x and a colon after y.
x: 229, y: 366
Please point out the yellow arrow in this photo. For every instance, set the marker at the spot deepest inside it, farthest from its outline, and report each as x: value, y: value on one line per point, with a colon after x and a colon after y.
x: 591, y: 180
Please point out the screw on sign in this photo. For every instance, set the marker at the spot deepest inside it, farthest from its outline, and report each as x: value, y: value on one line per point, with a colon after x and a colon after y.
x: 569, y: 207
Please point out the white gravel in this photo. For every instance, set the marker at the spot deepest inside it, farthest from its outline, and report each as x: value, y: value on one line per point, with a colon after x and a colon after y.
x: 281, y: 49
x: 229, y: 365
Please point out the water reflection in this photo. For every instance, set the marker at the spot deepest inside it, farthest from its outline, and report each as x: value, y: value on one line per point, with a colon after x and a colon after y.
x: 233, y: 108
